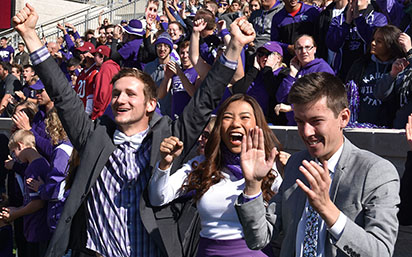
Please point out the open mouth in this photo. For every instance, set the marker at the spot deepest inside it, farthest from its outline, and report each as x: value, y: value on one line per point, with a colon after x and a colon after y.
x: 236, y: 138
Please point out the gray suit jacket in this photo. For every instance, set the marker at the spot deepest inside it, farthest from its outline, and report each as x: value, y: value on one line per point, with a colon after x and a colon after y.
x: 169, y: 226
x: 365, y: 188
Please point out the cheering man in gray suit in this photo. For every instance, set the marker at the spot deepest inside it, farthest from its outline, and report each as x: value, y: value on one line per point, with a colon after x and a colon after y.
x: 336, y: 199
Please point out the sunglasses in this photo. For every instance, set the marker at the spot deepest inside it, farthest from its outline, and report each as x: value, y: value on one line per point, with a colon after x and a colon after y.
x: 262, y: 54
x: 223, y: 5
x: 39, y: 91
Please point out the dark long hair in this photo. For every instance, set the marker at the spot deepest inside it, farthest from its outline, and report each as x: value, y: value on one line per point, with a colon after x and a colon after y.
x: 209, y: 173
x: 390, y: 36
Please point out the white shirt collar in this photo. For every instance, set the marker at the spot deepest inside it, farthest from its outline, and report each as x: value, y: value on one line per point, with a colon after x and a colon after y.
x: 135, y: 140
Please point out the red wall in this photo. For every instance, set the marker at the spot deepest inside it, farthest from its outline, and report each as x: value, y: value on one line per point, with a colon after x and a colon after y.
x: 5, y: 14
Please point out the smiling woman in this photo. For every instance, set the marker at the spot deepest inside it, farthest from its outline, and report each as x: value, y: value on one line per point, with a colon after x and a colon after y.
x: 218, y: 180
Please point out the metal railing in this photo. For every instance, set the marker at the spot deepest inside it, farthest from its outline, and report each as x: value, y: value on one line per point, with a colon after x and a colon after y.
x: 83, y: 19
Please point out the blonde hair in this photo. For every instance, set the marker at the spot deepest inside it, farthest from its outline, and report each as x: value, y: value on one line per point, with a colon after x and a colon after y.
x: 25, y: 137
x: 54, y: 127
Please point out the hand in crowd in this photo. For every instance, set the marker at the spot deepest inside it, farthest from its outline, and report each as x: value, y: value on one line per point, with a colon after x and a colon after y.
x: 34, y: 184
x: 182, y: 11
x: 242, y: 31
x: 398, y: 66
x: 199, y: 25
x: 69, y: 25
x: 405, y: 42
x: 352, y: 12
x: 61, y: 27
x: 291, y: 49
x: 8, y: 164
x: 273, y: 61
x: 282, y: 108
x: 170, y: 148
x: 221, y: 25
x: 20, y: 94
x: 408, y: 131
x: 256, y: 63
x: 255, y: 165
x: 21, y: 120
x: 170, y: 70
x: 284, y: 157
x: 7, y: 214
x: 294, y: 66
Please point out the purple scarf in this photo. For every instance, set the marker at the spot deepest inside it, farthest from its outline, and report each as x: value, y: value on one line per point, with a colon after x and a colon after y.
x: 231, y: 161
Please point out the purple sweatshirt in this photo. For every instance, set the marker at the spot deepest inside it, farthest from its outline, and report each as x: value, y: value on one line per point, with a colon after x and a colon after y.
x: 35, y: 224
x: 43, y: 143
x: 317, y: 65
x: 350, y: 41
x: 53, y: 188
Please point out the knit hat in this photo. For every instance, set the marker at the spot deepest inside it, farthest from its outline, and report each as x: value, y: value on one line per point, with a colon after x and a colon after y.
x: 104, y: 50
x: 86, y: 47
x: 273, y: 46
x: 134, y: 27
x: 166, y: 39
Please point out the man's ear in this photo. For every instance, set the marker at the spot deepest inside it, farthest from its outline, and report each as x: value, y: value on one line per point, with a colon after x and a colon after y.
x: 151, y: 105
x: 344, y: 117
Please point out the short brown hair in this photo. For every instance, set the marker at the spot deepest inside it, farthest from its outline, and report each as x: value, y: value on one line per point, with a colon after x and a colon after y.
x: 207, y: 16
x: 314, y: 86
x: 25, y: 137
x: 149, y: 89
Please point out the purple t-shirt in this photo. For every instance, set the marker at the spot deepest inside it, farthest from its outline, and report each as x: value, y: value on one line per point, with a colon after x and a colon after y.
x: 35, y: 224
x: 180, y: 98
x: 6, y: 53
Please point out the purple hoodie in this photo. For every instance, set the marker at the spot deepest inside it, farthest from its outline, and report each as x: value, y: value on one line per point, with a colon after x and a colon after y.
x: 317, y: 65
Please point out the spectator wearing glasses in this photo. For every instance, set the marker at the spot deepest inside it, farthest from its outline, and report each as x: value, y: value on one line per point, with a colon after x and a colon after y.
x: 303, y: 63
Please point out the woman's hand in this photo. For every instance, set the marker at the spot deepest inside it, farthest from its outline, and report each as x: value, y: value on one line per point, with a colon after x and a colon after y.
x: 170, y: 149
x: 253, y: 160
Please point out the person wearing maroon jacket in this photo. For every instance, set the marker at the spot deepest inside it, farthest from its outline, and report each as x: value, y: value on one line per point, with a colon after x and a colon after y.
x: 103, y: 86
x: 85, y: 82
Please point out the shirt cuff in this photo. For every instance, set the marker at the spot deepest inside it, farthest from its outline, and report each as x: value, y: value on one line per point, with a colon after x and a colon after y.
x: 243, y: 198
x: 39, y: 56
x: 166, y: 171
x: 230, y: 64
x: 337, y: 229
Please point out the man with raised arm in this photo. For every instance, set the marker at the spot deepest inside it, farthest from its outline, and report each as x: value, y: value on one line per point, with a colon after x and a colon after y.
x: 335, y: 199
x: 107, y: 212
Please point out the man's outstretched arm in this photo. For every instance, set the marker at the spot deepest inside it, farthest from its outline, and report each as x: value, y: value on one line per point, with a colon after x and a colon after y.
x: 70, y: 108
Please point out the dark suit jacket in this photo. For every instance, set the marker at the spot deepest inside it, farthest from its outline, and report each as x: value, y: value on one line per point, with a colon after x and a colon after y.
x: 365, y: 188
x: 93, y: 140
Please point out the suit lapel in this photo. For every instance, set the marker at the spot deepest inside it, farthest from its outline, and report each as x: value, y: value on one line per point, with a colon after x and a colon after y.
x: 340, y: 169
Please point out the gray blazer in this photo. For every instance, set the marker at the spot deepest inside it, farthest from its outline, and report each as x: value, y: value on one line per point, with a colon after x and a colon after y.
x: 169, y: 226
x: 365, y: 188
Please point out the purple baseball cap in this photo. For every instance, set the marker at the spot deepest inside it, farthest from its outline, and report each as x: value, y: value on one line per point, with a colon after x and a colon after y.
x: 273, y: 46
x: 37, y: 86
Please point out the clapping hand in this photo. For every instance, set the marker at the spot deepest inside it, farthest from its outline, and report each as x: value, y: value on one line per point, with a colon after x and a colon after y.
x: 253, y: 160
x: 34, y: 184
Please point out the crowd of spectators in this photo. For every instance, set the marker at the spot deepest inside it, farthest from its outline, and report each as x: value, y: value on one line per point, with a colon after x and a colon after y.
x: 365, y: 43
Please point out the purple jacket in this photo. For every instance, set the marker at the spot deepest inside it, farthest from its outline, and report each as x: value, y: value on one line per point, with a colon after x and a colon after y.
x: 317, y: 65
x: 393, y: 10
x: 43, y: 143
x: 53, y: 188
x: 285, y: 28
x: 351, y: 41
